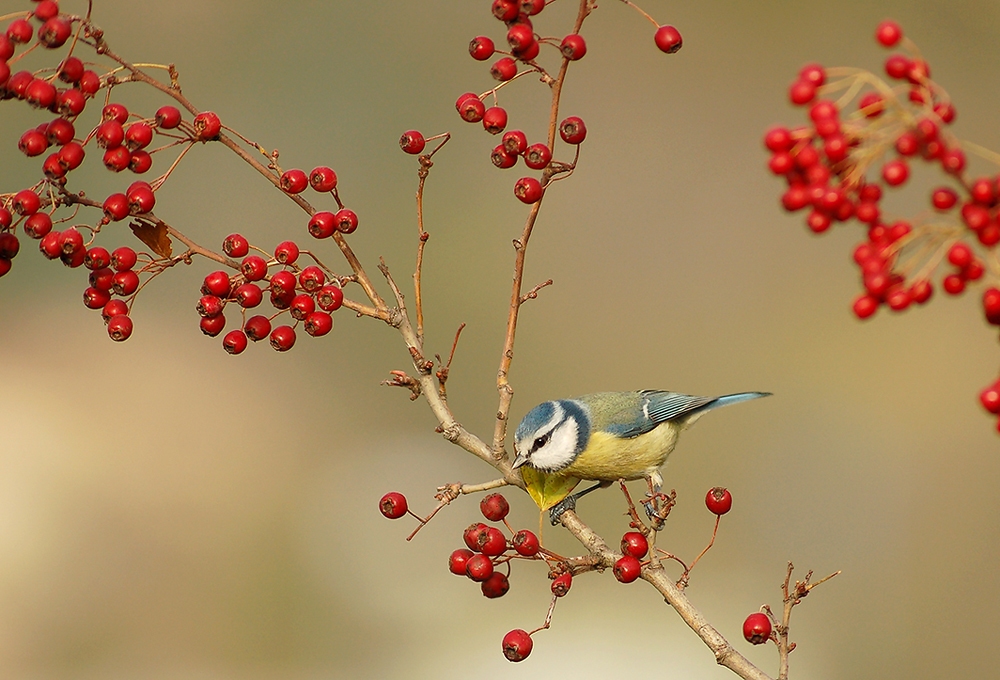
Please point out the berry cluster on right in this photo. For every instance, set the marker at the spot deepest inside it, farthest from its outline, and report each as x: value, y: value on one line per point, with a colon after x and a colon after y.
x: 862, y: 136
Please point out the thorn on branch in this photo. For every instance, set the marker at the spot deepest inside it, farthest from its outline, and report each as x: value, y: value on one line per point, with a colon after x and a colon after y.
x: 401, y: 379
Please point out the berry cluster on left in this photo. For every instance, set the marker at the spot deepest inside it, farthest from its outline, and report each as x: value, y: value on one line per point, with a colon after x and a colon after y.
x: 81, y: 78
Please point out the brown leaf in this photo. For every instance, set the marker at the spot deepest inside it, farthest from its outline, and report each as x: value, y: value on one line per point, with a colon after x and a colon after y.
x: 154, y: 235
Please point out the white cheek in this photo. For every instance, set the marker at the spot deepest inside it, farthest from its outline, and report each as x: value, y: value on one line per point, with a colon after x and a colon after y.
x: 560, y: 449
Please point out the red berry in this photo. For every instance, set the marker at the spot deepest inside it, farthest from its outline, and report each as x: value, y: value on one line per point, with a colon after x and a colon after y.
x: 953, y: 161
x: 778, y: 139
x: 124, y: 283
x: 286, y: 252
x: 393, y: 505
x: 888, y: 33
x: 33, y: 143
x: 501, y: 158
x: 494, y: 543
x: 60, y: 131
x: 322, y: 224
x: 871, y: 104
x: 330, y: 298
x: 283, y: 338
x: 494, y: 507
x: 504, y: 69
x: 123, y: 258
x: 117, y: 159
x: 515, y: 142
x: 494, y: 120
x: 474, y: 534
x: 102, y: 278
x: 323, y: 179
x: 55, y: 32
x: 525, y: 543
x: 9, y: 245
x: 248, y: 295
x: 210, y: 306
x: 635, y: 544
x: 627, y: 569
x: 216, y: 283
x: 801, y: 92
x: 813, y: 73
x: 757, y: 628
x: 254, y: 267
x: 921, y: 291
x: 481, y: 48
x: 898, y: 299
x: 944, y: 198
x: 90, y: 83
x: 168, y: 117
x: 283, y: 282
x: 312, y: 278
x: 528, y: 52
x: 110, y: 134
x: 207, y: 126
x: 347, y: 221
x: 572, y: 130
x: 138, y: 136
x: 668, y: 39
x: 19, y: 31
x: 119, y: 327
x: 573, y: 47
x: 257, y: 327
x: 235, y: 342
x: 895, y: 172
x: 953, y: 284
x: 302, y: 306
x: 51, y: 245
x: 991, y: 305
x: 5, y: 265
x: 960, y: 255
x: 293, y: 181
x: 496, y: 585
x: 479, y: 568
x: 532, y: 7
x: 517, y: 645
x: 71, y: 156
x: 318, y: 324
x: 212, y: 326
x: 897, y: 66
x: 528, y: 190
x: 990, y: 398
x: 141, y: 200
x: 505, y: 10
x: 719, y: 500
x: 113, y: 309
x: 235, y: 245
x: 471, y: 108
x: 520, y: 36
x: 561, y: 584
x: 412, y: 142
x: 26, y: 202
x: 537, y: 156
x: 865, y: 306
x: 457, y: 561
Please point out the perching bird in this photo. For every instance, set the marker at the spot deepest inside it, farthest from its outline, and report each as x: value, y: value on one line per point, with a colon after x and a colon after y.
x: 609, y: 436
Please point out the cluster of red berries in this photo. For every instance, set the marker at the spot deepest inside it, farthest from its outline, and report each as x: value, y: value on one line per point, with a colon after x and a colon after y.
x: 827, y: 163
x: 304, y: 292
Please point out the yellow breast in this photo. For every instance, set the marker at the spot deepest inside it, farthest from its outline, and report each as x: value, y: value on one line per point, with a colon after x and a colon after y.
x: 609, y: 458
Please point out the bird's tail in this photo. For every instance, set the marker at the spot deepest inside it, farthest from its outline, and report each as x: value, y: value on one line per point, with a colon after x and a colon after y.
x: 725, y: 400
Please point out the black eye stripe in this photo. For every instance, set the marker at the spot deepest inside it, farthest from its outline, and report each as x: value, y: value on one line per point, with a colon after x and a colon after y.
x: 539, y: 442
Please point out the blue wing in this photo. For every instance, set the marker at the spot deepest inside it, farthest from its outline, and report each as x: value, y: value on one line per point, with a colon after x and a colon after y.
x: 659, y: 407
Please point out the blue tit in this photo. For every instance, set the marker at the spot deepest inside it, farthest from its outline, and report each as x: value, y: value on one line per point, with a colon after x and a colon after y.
x: 609, y: 436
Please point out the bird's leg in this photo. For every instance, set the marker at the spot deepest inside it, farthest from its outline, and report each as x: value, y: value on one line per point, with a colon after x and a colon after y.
x: 657, y: 504
x: 569, y: 503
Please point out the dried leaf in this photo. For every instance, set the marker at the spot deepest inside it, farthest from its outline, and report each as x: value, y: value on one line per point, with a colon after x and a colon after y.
x: 154, y: 235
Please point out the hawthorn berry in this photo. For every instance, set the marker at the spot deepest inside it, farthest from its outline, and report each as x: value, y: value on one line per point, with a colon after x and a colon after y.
x: 561, y: 584
x: 323, y: 179
x: 123, y: 258
x: 318, y: 324
x: 71, y: 156
x: 5, y: 265
x: 286, y: 252
x: 94, y: 298
x: 253, y: 267
x: 474, y: 534
x: 9, y: 245
x: 210, y: 306
x: 944, y: 199
x: 953, y: 284
x: 517, y: 645
x: 124, y: 283
x: 330, y: 298
x: 346, y: 220
x: 18, y: 83
x: 532, y: 7
x: 207, y: 126
x: 500, y: 158
x: 635, y: 544
x: 537, y: 156
x: 572, y: 130
x: 479, y: 567
x: 515, y: 142
x: 412, y: 142
x: 257, y: 327
x: 528, y: 190
x: 496, y: 585
x: 718, y: 500
x: 216, y: 283
x: 117, y: 159
x: 248, y: 295
x: 520, y: 36
x: 528, y: 52
x: 283, y: 338
x: 113, y: 309
x: 627, y: 569
x: 293, y: 181
x: 895, y: 172
x: 526, y: 543
x: 457, y: 561
x: 322, y: 224
x: 668, y: 39
x: 492, y: 542
x: 110, y: 134
x: 757, y: 628
x: 138, y: 136
x: 503, y: 69
x: 235, y: 342
x: 494, y: 507
x: 168, y: 117
x: 33, y: 143
x: 140, y: 162
x: 40, y: 93
x: 60, y: 131
x: 481, y: 48
x: 26, y: 202
x: 393, y: 505
x: 102, y: 278
x: 50, y: 245
x: 953, y: 161
x: 119, y: 327
x: 801, y: 92
x: 504, y: 10
x: 141, y: 200
x: 471, y: 108
x: 573, y: 47
x: 494, y: 120
x: 888, y: 33
x: 312, y: 278
x: 302, y: 306
x: 212, y: 326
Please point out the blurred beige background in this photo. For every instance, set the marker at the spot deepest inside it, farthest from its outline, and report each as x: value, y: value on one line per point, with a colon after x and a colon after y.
x: 169, y: 511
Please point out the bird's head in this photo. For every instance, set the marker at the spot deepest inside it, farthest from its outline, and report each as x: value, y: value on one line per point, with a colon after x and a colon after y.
x: 552, y: 435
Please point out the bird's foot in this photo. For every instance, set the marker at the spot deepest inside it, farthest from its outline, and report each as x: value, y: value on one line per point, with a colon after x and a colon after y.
x: 556, y: 511
x: 658, y: 507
